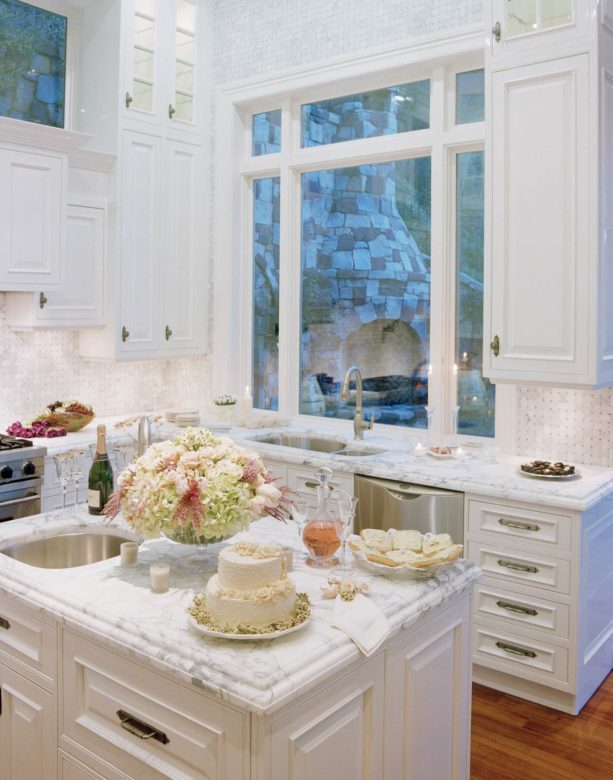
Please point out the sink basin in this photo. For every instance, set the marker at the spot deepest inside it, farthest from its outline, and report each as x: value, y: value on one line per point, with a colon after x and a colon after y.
x: 66, y: 551
x: 302, y: 442
x: 359, y: 452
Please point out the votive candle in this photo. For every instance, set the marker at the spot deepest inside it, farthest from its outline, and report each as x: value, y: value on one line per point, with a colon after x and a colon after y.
x: 129, y: 553
x: 159, y: 575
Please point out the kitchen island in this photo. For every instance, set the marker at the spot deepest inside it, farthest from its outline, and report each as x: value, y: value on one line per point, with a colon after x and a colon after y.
x: 78, y: 646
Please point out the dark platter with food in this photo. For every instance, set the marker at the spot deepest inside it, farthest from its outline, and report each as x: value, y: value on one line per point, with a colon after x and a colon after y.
x: 548, y: 469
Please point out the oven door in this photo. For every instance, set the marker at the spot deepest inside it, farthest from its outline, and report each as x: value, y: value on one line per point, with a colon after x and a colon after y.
x: 20, y: 500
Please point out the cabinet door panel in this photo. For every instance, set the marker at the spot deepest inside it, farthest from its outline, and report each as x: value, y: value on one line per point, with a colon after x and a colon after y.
x: 81, y: 296
x: 140, y: 241
x: 28, y: 739
x: 183, y: 293
x: 31, y: 211
x: 541, y: 263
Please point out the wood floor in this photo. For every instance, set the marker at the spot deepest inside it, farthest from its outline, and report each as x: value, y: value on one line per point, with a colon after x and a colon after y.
x: 513, y: 739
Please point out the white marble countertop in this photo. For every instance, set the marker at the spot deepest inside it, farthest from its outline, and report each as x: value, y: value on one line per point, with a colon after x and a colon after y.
x: 484, y: 472
x: 116, y: 607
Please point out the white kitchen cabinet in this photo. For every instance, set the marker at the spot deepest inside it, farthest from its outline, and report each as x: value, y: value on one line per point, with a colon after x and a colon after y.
x: 163, y: 49
x: 32, y: 205
x: 28, y: 732
x: 542, y: 619
x: 160, y: 282
x: 79, y: 302
x: 549, y: 254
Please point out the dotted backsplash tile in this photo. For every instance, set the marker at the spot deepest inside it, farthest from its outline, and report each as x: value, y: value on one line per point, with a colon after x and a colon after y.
x: 39, y: 367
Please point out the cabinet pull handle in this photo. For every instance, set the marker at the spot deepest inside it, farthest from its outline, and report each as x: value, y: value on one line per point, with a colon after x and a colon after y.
x: 42, y: 300
x: 171, y: 111
x: 496, y: 32
x: 168, y: 333
x: 125, y: 334
x: 517, y: 566
x: 515, y: 650
x: 519, y: 524
x: 495, y: 346
x: 4, y: 623
x: 310, y: 484
x: 141, y: 729
x: 129, y: 99
x: 510, y: 607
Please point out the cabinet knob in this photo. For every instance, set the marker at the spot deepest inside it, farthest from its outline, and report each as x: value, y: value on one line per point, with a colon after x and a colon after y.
x: 42, y: 300
x: 125, y: 333
x: 171, y: 110
x: 168, y: 333
x: 496, y: 31
x: 495, y: 345
x: 129, y: 99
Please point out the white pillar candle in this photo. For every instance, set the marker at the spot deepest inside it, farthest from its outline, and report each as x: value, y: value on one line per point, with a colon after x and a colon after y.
x: 246, y: 405
x: 419, y: 449
x: 129, y: 553
x: 159, y: 574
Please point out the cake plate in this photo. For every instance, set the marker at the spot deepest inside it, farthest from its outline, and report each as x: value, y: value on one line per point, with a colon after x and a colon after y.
x: 245, y: 637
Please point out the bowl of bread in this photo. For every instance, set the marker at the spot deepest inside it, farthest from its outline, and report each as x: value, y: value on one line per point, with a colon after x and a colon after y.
x: 408, y: 554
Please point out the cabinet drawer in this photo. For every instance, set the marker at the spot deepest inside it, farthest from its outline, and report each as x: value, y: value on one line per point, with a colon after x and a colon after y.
x: 519, y: 566
x: 520, y: 524
x: 143, y: 722
x: 520, y: 610
x: 304, y: 482
x: 29, y: 641
x: 514, y: 654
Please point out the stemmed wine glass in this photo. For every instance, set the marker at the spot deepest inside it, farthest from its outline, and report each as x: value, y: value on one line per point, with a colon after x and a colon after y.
x: 124, y: 455
x: 62, y: 468
x: 346, y: 514
x: 300, y: 515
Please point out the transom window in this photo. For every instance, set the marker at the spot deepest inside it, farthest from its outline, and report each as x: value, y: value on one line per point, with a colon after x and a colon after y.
x: 363, y: 224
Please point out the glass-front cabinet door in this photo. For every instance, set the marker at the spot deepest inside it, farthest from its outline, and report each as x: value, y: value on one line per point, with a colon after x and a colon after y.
x: 517, y: 23
x: 161, y: 51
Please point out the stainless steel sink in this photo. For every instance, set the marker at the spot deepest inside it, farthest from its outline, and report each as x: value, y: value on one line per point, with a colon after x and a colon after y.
x: 68, y: 550
x: 359, y: 452
x: 302, y: 442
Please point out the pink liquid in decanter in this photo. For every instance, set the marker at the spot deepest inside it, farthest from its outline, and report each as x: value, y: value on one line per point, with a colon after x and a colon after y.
x: 320, y: 534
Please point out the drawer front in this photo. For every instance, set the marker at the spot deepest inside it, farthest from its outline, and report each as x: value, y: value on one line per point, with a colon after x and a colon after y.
x: 144, y: 723
x: 518, y: 566
x: 304, y: 482
x: 30, y: 641
x: 520, y: 524
x: 530, y: 658
x: 521, y: 610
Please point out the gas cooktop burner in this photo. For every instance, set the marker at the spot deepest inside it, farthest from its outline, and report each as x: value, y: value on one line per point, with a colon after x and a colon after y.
x: 11, y: 443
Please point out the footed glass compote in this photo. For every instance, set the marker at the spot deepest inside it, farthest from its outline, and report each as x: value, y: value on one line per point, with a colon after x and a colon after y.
x: 200, y: 560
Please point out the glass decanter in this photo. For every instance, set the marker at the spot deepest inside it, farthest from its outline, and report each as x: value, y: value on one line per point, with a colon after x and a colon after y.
x: 320, y: 533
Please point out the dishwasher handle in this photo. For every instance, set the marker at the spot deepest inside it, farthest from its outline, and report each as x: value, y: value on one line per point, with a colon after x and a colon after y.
x: 403, y: 495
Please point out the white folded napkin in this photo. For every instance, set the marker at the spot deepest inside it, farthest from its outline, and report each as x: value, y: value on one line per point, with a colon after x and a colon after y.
x: 362, y: 621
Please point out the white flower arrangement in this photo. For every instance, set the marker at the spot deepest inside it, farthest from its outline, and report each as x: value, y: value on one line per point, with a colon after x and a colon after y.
x: 197, y: 486
x: 225, y: 399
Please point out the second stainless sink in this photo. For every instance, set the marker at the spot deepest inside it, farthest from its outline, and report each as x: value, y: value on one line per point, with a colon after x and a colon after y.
x: 65, y: 551
x: 302, y: 442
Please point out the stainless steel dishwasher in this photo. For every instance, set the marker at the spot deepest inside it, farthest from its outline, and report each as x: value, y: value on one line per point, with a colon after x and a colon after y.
x: 404, y: 505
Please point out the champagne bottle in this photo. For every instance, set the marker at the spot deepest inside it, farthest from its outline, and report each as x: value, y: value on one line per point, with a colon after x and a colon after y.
x: 100, y: 480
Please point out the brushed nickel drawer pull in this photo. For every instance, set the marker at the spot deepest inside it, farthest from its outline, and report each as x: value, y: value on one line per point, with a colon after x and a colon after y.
x: 310, y: 484
x: 517, y: 608
x: 42, y: 300
x: 517, y: 566
x: 518, y: 524
x: 515, y: 650
x: 140, y: 729
x: 4, y: 623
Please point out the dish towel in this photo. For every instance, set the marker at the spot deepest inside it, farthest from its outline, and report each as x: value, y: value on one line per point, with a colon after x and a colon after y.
x: 362, y: 621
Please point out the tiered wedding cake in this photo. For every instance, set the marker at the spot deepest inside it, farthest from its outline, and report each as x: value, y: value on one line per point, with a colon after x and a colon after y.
x: 251, y: 587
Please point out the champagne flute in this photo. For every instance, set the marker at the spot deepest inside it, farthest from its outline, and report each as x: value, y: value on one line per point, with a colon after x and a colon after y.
x: 346, y: 513
x: 300, y: 515
x: 77, y: 471
x: 61, y: 468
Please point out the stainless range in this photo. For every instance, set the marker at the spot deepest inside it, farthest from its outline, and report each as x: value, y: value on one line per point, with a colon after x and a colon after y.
x: 21, y: 477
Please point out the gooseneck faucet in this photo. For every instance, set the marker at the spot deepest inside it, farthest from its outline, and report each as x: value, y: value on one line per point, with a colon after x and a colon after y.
x: 359, y: 426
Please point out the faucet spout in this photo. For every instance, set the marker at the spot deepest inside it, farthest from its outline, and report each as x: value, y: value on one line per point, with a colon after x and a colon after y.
x: 359, y: 426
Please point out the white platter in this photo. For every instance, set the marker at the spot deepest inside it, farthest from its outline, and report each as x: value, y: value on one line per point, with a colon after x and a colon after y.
x: 402, y: 572
x: 442, y: 455
x: 549, y: 476
x: 244, y: 637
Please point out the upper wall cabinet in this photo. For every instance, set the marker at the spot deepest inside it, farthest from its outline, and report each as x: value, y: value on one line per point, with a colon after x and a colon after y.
x: 163, y: 56
x: 32, y: 197
x: 526, y: 25
x: 549, y: 264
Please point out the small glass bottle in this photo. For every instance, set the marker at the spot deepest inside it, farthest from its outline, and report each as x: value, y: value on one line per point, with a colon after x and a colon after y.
x: 320, y: 534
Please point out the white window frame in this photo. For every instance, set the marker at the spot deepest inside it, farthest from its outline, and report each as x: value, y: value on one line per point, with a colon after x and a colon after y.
x: 437, y: 59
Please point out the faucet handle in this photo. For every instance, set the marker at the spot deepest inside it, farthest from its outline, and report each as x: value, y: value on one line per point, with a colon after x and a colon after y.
x: 371, y: 422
